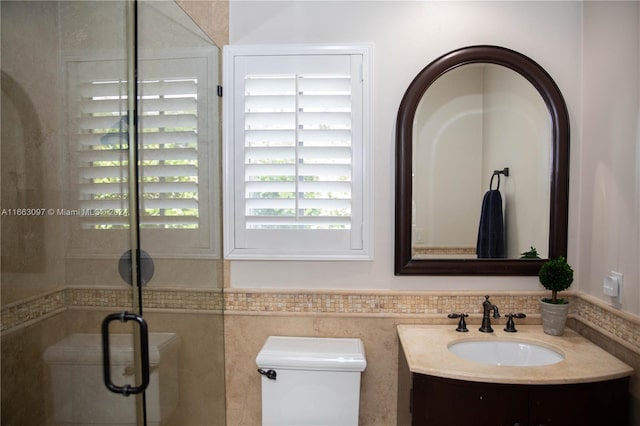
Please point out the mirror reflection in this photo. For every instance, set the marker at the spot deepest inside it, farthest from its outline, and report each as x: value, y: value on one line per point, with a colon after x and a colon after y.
x: 469, y: 113
x: 481, y: 166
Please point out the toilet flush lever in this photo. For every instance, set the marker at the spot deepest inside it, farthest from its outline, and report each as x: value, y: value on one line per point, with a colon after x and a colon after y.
x: 271, y: 374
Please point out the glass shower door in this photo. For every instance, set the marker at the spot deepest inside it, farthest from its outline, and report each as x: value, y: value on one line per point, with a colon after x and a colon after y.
x: 179, y: 215
x: 59, y: 60
x: 67, y: 225
x: 179, y: 147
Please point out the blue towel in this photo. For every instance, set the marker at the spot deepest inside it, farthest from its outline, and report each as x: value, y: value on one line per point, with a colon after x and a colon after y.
x: 491, y: 230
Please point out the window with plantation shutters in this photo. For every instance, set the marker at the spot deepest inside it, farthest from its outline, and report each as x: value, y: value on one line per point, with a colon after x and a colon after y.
x: 296, y: 152
x: 175, y: 110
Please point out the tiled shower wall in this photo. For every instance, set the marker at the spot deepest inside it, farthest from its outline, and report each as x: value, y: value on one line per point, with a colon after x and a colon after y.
x: 31, y: 326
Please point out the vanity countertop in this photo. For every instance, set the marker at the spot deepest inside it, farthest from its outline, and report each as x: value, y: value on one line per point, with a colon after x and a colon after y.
x: 426, y: 352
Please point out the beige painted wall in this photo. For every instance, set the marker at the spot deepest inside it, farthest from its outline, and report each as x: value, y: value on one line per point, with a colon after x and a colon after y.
x: 607, y: 158
x: 407, y: 35
x: 571, y: 40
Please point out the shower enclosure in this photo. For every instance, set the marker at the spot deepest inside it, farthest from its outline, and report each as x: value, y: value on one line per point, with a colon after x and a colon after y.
x: 110, y: 195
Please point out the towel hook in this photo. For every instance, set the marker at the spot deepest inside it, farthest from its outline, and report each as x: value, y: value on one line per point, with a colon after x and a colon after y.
x: 504, y: 171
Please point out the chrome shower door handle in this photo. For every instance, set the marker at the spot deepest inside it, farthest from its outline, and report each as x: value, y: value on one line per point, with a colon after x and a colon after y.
x: 126, y: 390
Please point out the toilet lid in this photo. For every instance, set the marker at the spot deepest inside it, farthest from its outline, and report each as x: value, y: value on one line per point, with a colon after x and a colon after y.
x: 312, y: 353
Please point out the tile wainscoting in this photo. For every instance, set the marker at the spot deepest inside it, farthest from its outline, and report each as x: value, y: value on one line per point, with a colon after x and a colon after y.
x: 252, y: 315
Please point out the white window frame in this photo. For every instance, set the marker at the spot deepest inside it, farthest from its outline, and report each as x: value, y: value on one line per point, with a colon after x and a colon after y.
x: 233, y: 186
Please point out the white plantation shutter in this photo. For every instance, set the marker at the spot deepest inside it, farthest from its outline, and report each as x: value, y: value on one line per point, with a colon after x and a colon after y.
x: 169, y: 155
x: 175, y: 110
x: 297, y: 138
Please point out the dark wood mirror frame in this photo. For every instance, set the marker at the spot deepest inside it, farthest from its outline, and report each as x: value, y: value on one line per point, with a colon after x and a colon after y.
x: 558, y: 211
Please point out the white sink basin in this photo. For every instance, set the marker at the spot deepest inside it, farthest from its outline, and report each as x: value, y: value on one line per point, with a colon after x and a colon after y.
x: 505, y: 352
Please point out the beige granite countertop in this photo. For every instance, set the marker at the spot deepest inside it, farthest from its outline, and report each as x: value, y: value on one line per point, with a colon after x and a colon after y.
x: 425, y: 348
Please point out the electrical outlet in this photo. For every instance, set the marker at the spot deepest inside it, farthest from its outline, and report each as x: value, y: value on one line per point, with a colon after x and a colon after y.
x: 620, y: 277
x: 612, y: 286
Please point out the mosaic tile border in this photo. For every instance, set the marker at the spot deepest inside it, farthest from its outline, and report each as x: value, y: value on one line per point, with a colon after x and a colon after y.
x: 624, y: 327
x: 21, y: 313
x: 16, y: 314
x: 428, y: 250
x: 151, y: 299
x: 372, y: 303
x: 621, y: 325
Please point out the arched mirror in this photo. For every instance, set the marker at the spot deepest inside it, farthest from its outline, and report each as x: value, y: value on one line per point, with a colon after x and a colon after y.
x: 482, y: 166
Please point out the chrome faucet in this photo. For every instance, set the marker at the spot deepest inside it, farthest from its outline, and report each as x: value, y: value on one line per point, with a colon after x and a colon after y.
x: 486, y: 320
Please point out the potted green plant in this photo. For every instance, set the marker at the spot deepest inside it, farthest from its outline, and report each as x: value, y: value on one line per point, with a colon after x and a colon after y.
x: 555, y: 275
x: 531, y: 254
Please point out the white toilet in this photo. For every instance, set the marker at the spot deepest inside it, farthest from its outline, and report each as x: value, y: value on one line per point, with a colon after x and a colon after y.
x: 79, y: 394
x: 311, y: 381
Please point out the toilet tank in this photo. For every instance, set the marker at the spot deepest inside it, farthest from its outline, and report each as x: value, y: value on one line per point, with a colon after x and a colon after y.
x: 311, y: 381
x: 79, y: 394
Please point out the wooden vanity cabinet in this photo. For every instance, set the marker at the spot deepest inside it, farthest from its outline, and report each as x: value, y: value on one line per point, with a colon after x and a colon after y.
x: 435, y: 401
x: 454, y: 402
x: 596, y: 403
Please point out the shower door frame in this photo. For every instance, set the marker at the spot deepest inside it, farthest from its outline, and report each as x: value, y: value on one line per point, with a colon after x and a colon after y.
x: 140, y: 340
x: 134, y: 191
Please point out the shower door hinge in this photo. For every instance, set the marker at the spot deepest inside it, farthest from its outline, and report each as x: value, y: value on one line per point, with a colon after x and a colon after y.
x: 219, y: 91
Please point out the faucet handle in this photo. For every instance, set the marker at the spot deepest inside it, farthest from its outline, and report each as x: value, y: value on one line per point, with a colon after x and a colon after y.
x: 462, y: 324
x: 511, y: 326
